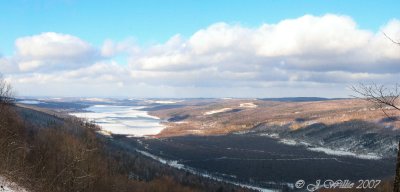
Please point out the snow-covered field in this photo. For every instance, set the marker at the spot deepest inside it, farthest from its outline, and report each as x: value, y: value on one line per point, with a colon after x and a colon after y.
x: 94, y: 99
x: 164, y: 101
x: 248, y: 105
x: 217, y: 111
x: 8, y: 186
x: 125, y: 120
x: 243, y: 105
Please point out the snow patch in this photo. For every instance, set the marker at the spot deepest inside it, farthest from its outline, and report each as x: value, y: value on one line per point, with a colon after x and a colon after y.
x: 248, y: 105
x: 8, y: 186
x: 180, y: 122
x: 217, y: 111
x: 30, y: 102
x: 94, y: 99
x: 288, y: 142
x: 344, y: 153
x: 164, y: 101
x: 271, y: 135
x: 328, y: 151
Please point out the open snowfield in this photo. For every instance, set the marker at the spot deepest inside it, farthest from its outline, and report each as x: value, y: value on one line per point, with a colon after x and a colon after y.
x: 248, y: 105
x: 217, y: 111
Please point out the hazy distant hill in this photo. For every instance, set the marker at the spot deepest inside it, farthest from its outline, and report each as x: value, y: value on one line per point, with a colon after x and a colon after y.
x: 296, y: 99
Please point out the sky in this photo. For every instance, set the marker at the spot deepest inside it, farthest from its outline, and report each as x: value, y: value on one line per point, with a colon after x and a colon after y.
x: 187, y: 48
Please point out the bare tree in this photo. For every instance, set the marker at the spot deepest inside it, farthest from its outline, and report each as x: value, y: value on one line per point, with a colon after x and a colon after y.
x: 393, y: 41
x: 6, y: 92
x: 384, y: 98
x: 6, y: 95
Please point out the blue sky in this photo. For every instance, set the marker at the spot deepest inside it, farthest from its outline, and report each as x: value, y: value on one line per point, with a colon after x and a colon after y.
x: 203, y: 48
x: 157, y: 20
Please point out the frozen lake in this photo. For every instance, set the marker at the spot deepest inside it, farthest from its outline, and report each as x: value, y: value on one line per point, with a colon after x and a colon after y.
x: 125, y: 120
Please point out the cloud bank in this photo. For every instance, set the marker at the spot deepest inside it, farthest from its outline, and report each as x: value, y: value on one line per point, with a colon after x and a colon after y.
x: 305, y: 56
x: 53, y: 51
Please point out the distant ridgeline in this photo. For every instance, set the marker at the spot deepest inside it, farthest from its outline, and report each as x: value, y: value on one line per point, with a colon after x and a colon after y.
x: 299, y: 99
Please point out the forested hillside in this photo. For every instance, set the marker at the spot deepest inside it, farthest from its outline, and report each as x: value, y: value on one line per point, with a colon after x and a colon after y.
x: 43, y: 152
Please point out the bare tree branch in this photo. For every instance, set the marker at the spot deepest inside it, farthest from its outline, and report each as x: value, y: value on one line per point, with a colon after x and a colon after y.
x: 393, y: 41
x: 380, y: 95
x: 383, y: 97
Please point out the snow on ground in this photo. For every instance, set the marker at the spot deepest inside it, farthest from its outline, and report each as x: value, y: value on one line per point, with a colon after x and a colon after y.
x: 217, y: 111
x: 248, y: 105
x: 325, y: 150
x: 288, y: 142
x: 164, y: 101
x: 272, y: 135
x: 94, y: 99
x: 30, y: 102
x: 343, y: 153
x: 180, y: 122
x: 8, y: 186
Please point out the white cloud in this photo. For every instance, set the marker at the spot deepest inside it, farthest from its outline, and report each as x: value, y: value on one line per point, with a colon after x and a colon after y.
x: 327, y: 43
x: 7, y: 65
x: 381, y: 48
x: 50, y: 50
x: 310, y: 35
x: 294, y: 57
x: 220, y: 37
x: 330, y: 49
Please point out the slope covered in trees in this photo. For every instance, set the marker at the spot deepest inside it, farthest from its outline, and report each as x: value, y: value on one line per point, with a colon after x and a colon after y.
x: 43, y: 152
